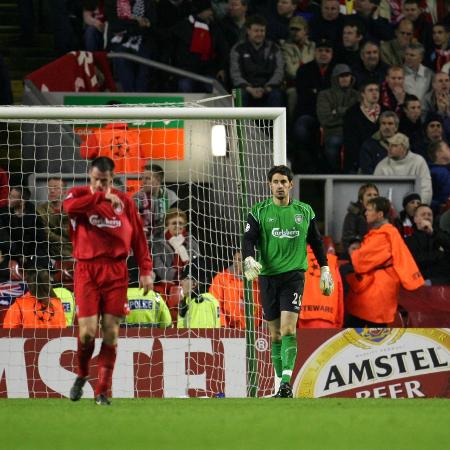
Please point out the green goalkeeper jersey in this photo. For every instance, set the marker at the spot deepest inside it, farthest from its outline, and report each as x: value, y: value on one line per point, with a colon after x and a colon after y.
x: 283, y: 232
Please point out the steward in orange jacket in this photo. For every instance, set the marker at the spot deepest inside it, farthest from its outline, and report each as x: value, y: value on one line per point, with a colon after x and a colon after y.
x: 118, y: 142
x: 381, y: 264
x: 29, y: 312
x: 318, y: 310
x: 228, y: 288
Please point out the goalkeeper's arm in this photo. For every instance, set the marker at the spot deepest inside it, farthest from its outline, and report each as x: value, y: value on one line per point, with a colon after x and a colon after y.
x: 314, y: 239
x: 251, y: 236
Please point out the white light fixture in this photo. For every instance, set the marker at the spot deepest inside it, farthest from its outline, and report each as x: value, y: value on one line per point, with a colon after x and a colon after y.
x: 218, y: 140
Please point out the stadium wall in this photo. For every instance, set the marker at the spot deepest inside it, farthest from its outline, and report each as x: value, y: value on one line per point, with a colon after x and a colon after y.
x: 358, y: 363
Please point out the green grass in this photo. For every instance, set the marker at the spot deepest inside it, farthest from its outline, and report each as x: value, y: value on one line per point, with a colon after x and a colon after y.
x: 235, y: 424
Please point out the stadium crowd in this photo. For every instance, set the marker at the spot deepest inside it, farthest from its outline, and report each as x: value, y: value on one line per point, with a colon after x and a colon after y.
x: 366, y: 82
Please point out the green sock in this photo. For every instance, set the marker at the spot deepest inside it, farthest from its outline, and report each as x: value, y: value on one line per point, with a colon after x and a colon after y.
x: 276, y: 358
x: 288, y: 355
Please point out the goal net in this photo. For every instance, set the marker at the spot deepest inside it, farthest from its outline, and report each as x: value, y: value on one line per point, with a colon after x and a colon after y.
x: 193, y: 173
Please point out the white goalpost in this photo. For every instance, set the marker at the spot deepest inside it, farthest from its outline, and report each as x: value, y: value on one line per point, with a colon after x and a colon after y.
x: 215, y: 163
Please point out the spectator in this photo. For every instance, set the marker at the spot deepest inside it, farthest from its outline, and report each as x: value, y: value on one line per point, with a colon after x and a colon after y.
x: 401, y: 161
x: 256, y: 66
x: 4, y: 187
x: 349, y: 52
x: 434, y: 132
x: 297, y: 50
x: 328, y: 25
x: 278, y: 20
x: 228, y: 288
x: 438, y: 100
x: 393, y: 89
x: 146, y: 311
x: 38, y: 308
x: 55, y: 220
x: 197, y: 45
x: 131, y: 29
x: 346, y: 267
x: 423, y: 29
x: 332, y: 104
x: 376, y: 27
x: 232, y: 26
x: 198, y: 308
x: 173, y: 253
x: 312, y: 78
x: 360, y: 122
x: 318, y: 310
x: 439, y: 154
x: 393, y: 51
x: 411, y: 123
x: 355, y: 225
x: 94, y: 21
x: 23, y: 227
x: 439, y: 54
x: 381, y: 264
x: 430, y: 251
x: 405, y: 220
x: 376, y: 147
x: 11, y: 282
x: 370, y: 68
x: 153, y: 201
x: 418, y: 78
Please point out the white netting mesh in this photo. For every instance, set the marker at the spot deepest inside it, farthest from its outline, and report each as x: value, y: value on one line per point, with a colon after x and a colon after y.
x: 212, y: 193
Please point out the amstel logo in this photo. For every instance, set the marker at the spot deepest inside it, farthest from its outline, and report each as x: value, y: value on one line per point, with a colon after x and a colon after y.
x: 378, y: 362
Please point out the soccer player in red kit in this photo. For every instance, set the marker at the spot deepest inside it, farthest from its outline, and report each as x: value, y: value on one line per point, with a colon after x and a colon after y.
x: 104, y: 227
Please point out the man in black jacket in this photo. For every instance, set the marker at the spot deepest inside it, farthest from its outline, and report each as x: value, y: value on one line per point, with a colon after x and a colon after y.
x: 256, y: 66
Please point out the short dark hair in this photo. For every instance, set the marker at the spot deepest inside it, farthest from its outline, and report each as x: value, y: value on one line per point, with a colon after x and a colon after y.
x: 408, y: 99
x: 282, y: 170
x: 365, y: 83
x: 103, y: 164
x: 422, y: 205
x: 351, y: 22
x: 441, y: 24
x: 25, y: 193
x: 411, y: 2
x: 381, y: 204
x: 433, y: 149
x: 57, y: 179
x: 255, y: 19
x: 155, y: 168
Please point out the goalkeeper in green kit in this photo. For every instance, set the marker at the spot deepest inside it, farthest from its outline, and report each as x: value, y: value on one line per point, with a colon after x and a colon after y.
x: 280, y: 228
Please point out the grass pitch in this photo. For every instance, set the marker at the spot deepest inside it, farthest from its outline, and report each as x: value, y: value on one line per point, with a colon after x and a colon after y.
x: 222, y: 424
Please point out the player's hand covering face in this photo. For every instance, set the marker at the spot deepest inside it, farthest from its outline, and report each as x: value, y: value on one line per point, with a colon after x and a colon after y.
x: 326, y: 281
x: 280, y: 186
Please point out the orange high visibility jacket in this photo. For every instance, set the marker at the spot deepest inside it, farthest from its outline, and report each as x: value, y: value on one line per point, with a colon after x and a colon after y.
x: 228, y: 289
x: 315, y: 305
x: 117, y: 142
x: 381, y: 264
x: 28, y: 312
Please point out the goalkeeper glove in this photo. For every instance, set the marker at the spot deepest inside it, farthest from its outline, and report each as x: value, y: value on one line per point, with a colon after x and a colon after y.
x: 251, y: 268
x: 326, y: 281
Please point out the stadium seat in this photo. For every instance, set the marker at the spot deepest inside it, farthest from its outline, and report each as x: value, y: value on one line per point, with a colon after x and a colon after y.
x: 15, y: 272
x: 431, y: 319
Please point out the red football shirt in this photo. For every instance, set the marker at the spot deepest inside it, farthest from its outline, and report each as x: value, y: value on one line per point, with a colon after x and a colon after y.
x: 99, y: 231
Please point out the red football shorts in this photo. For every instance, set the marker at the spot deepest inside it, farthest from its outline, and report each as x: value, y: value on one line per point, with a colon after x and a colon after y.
x: 101, y: 288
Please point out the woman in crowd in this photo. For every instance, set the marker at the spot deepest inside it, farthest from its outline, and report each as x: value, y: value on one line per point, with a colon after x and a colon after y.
x: 172, y: 253
x: 355, y: 225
